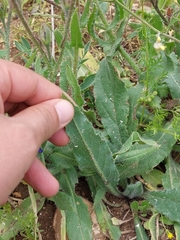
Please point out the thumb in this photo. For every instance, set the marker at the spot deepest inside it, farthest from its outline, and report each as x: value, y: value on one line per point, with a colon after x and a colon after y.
x: 46, y: 118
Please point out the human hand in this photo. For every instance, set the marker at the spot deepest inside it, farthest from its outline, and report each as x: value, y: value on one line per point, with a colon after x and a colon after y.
x: 36, y: 113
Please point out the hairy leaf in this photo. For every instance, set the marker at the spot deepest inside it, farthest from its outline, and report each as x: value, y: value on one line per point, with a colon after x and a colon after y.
x: 177, y: 230
x: 141, y: 158
x: 133, y: 190
x: 173, y: 81
x: 171, y: 178
x: 63, y: 201
x: 104, y: 220
x: 76, y: 91
x: 111, y: 103
x: 152, y: 226
x: 167, y: 202
x: 75, y: 209
x: 79, y: 226
x: 91, y: 151
x: 85, y: 14
x: 133, y: 94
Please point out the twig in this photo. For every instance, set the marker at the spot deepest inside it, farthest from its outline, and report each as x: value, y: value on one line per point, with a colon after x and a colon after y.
x: 155, y: 5
x: 64, y: 38
x: 52, y: 35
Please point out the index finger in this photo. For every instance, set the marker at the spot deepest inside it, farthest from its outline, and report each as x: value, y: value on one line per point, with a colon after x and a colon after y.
x: 19, y: 84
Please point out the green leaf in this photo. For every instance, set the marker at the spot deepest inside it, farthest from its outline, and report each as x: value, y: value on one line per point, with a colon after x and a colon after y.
x: 63, y: 201
x: 58, y: 37
x: 104, y: 220
x: 173, y: 81
x: 167, y: 202
x: 79, y: 226
x: 59, y: 158
x: 140, y: 231
x: 171, y: 178
x: 154, y: 177
x: 119, y: 13
x: 111, y: 103
x: 85, y: 14
x: 91, y: 151
x: 133, y: 190
x: 177, y: 230
x: 141, y: 158
x: 75, y: 87
x: 89, y: 81
x: 14, y: 221
x: 76, y: 38
x: 151, y: 225
x: 133, y: 94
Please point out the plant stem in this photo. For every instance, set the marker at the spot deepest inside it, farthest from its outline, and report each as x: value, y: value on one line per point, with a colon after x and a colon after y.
x: 76, y: 55
x: 62, y: 45
x: 155, y: 5
x: 7, y: 35
x: 103, y: 19
x: 144, y: 22
x: 18, y: 11
x: 129, y: 60
x: 121, y: 49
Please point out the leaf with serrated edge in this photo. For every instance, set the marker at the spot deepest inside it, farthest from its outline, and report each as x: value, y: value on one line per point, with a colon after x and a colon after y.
x: 91, y: 152
x: 111, y: 103
x: 167, y: 202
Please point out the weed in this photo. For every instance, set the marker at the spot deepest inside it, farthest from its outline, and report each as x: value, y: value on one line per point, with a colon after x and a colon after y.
x: 123, y: 128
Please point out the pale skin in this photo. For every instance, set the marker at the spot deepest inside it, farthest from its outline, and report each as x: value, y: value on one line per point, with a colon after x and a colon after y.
x: 36, y: 113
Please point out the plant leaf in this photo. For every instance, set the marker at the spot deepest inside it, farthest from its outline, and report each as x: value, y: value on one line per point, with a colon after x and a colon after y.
x: 133, y: 190
x: 76, y: 39
x: 91, y: 152
x: 63, y: 201
x: 111, y: 103
x: 152, y: 227
x: 104, y: 220
x: 75, y: 209
x: 140, y: 231
x: 167, y: 202
x: 154, y: 177
x: 171, y: 178
x: 79, y: 226
x: 141, y: 158
x: 85, y: 14
x: 75, y: 87
x: 133, y: 94
x: 173, y: 81
x: 15, y: 219
x: 177, y: 230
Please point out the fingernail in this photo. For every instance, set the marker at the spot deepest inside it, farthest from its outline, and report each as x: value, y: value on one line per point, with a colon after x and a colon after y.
x: 65, y: 112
